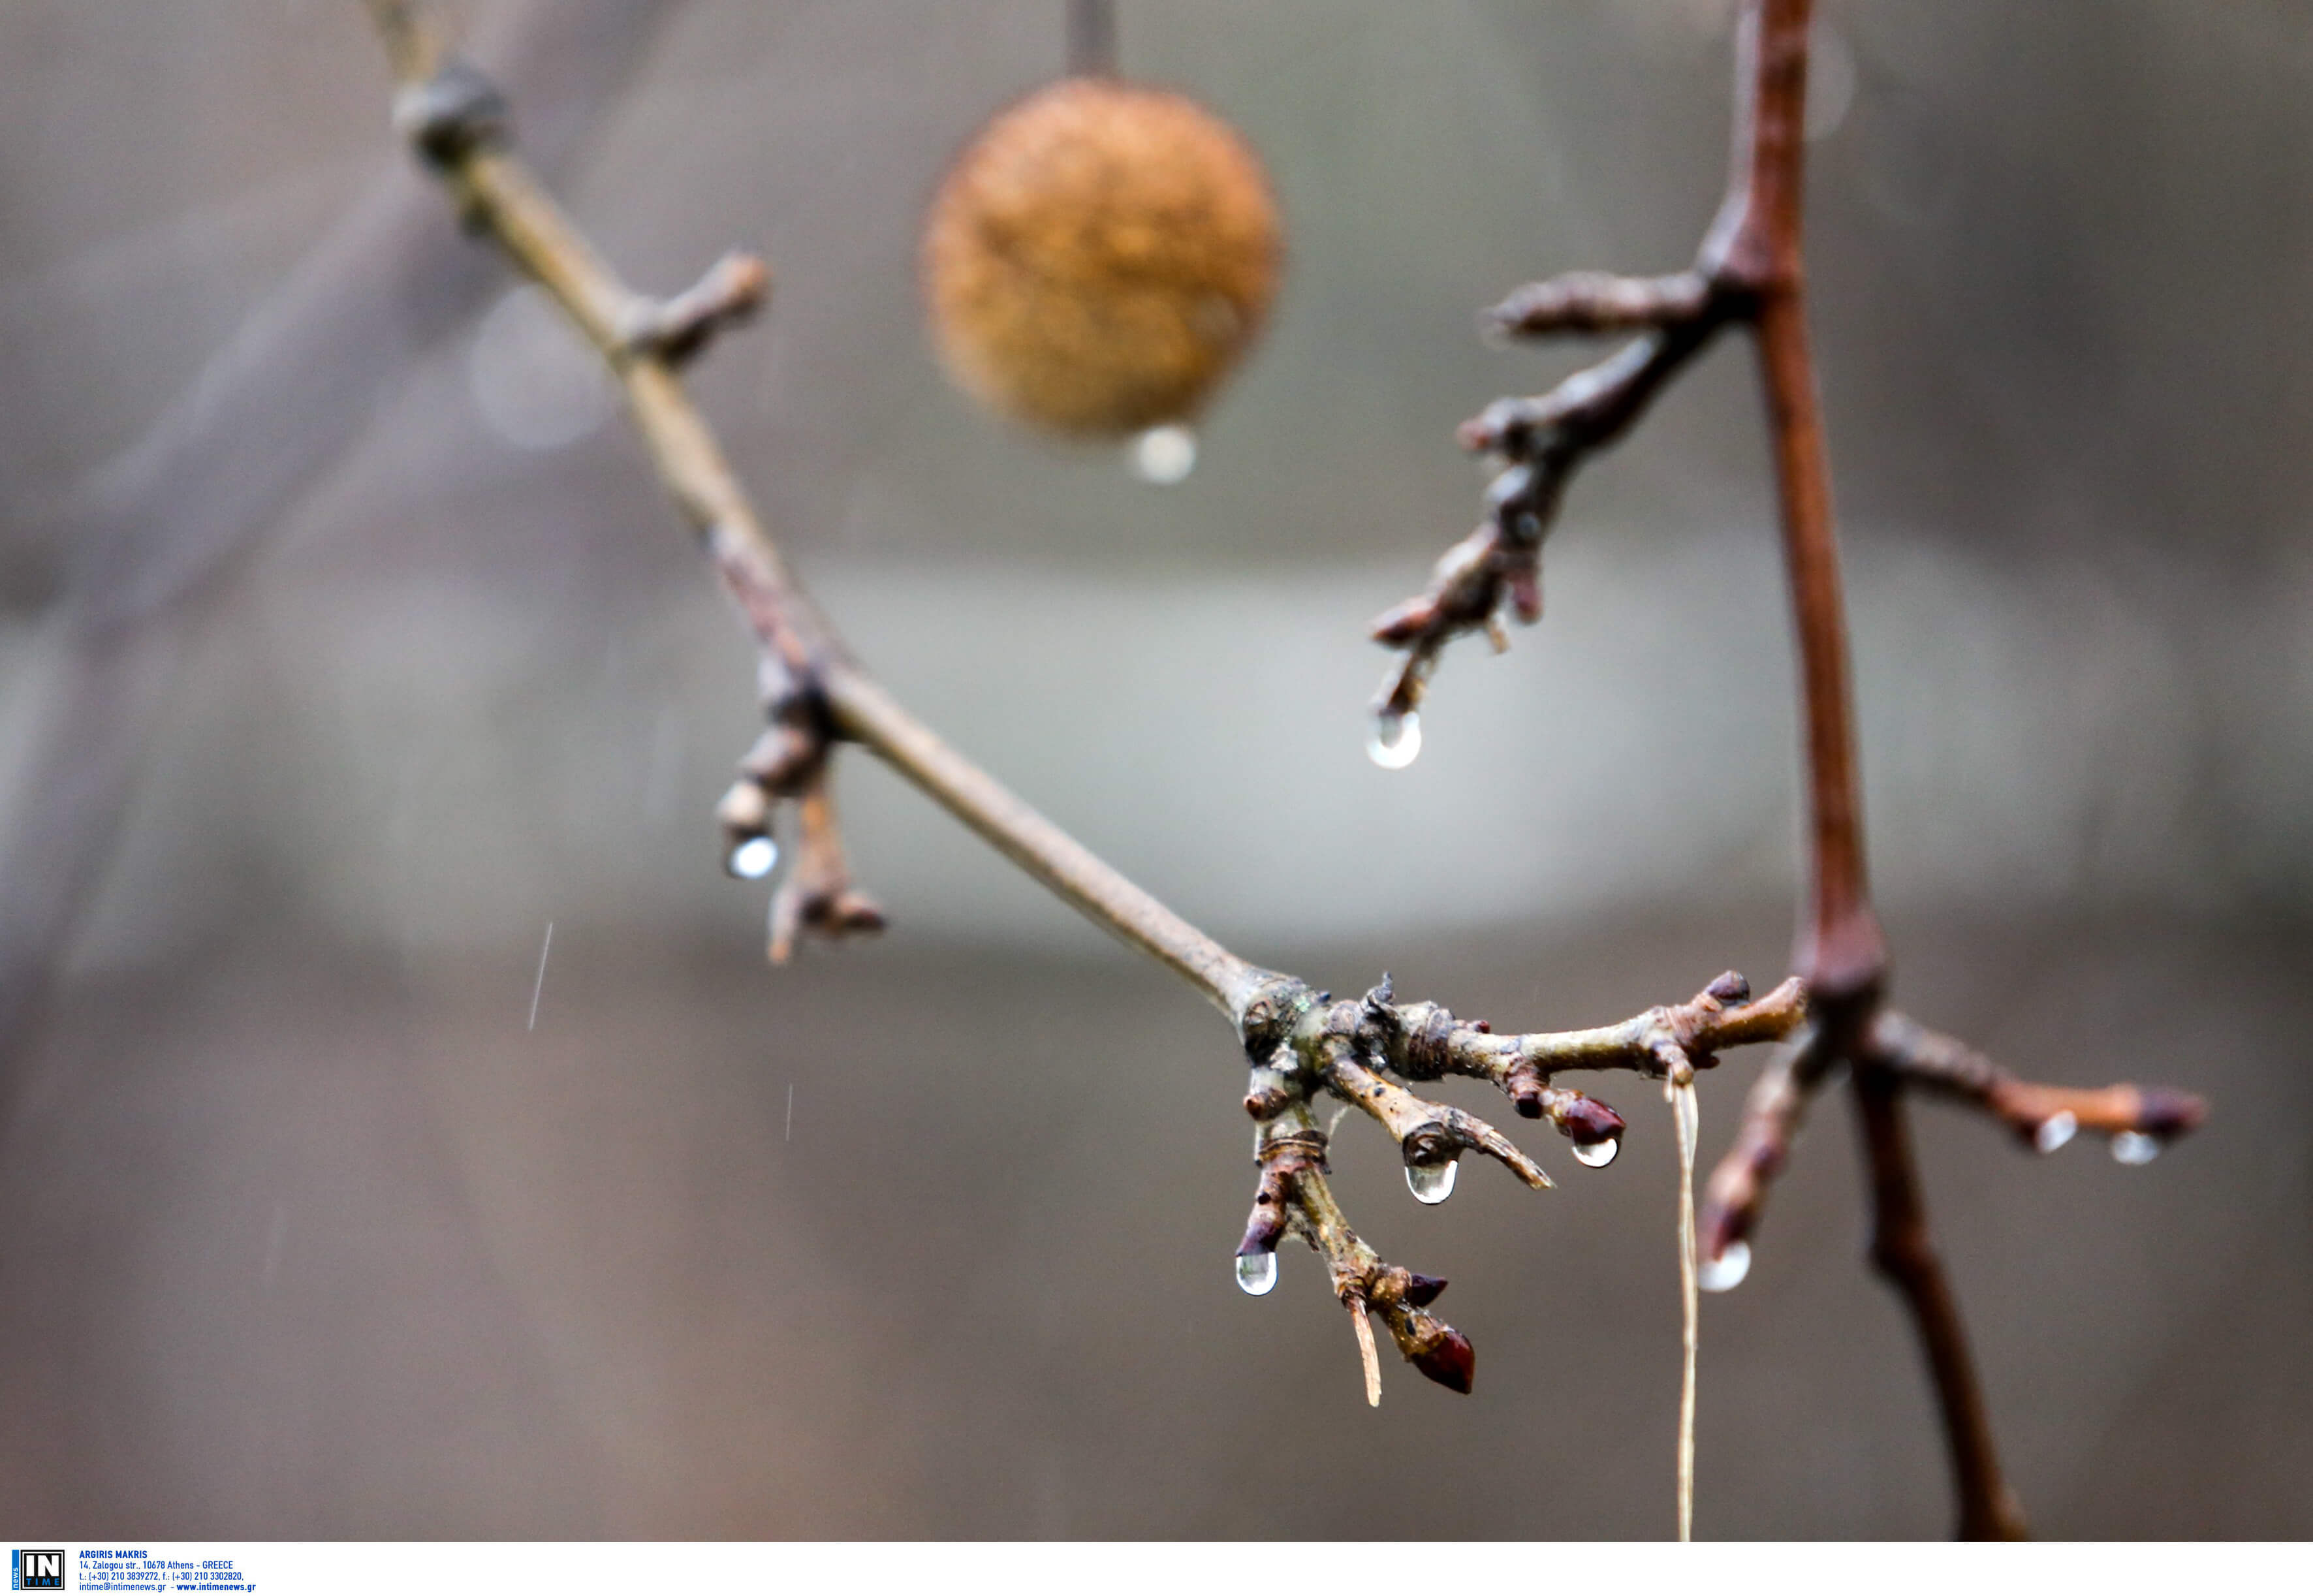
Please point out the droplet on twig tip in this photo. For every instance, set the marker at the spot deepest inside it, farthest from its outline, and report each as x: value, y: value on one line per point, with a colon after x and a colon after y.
x: 1726, y: 1272
x: 2055, y: 1130
x: 1395, y: 741
x: 1597, y: 1155
x: 1256, y: 1273
x: 1431, y: 1183
x: 753, y: 858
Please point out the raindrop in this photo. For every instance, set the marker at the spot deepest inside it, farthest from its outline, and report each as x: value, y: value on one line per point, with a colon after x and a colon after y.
x: 2134, y: 1147
x: 2055, y: 1130
x: 1395, y: 739
x: 1164, y: 455
x: 1726, y: 1272
x: 1256, y: 1273
x: 1432, y: 1183
x: 752, y: 859
x: 1598, y: 1154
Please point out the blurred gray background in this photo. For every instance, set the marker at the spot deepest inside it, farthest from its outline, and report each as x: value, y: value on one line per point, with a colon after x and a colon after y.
x: 310, y: 1235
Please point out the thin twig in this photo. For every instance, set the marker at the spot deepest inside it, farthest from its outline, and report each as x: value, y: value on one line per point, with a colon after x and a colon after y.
x: 1841, y: 952
x: 174, y: 518
x: 1749, y: 272
x: 1686, y: 1112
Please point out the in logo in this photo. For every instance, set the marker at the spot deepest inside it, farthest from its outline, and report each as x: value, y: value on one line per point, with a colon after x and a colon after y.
x: 35, y: 1570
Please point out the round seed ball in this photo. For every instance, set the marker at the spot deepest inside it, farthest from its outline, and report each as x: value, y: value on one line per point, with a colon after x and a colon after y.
x: 1100, y: 257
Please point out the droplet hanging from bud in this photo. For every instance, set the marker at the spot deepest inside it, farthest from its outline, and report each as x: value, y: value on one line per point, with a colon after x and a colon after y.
x: 1597, y: 1155
x: 1726, y: 1272
x: 752, y: 858
x: 1395, y: 741
x: 1256, y: 1273
x: 2055, y: 1130
x: 1431, y: 1183
x: 2134, y: 1147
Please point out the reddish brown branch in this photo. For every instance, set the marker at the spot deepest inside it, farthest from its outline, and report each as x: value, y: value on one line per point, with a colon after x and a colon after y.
x: 1305, y: 1045
x: 1736, y: 1194
x: 1750, y: 271
x: 1841, y: 952
x: 2139, y: 1119
x: 1901, y: 1250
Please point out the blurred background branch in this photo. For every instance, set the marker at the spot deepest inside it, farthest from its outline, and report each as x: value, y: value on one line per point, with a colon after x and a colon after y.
x: 265, y: 418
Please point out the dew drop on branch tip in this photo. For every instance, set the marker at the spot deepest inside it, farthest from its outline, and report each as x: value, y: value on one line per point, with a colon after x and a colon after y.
x: 1432, y: 1183
x: 1597, y: 1155
x: 1395, y: 741
x: 1726, y: 1272
x: 1256, y: 1273
x: 753, y: 859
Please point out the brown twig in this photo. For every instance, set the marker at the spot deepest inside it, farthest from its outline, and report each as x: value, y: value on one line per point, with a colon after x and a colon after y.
x: 1301, y: 1043
x: 185, y: 508
x: 1750, y: 272
x: 2139, y: 1121
x: 1305, y: 1045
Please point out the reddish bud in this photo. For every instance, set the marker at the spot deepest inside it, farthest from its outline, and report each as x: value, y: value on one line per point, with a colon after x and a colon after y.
x: 2165, y: 1113
x: 1421, y: 1290
x: 1586, y: 1119
x: 1449, y: 1361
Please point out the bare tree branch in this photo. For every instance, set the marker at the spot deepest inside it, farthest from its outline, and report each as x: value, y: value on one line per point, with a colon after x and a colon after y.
x: 174, y: 518
x: 1300, y: 1043
x: 1749, y: 272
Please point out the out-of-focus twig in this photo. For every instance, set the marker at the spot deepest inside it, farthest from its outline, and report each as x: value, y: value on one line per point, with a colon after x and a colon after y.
x: 169, y: 523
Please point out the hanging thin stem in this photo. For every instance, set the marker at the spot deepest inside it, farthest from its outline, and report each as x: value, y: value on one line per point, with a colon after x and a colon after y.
x: 1686, y: 1111
x: 1092, y: 38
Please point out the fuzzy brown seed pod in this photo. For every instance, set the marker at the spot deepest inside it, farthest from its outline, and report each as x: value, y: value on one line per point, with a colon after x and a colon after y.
x: 1099, y: 257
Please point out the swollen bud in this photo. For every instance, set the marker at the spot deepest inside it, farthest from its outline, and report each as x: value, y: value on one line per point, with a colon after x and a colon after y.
x: 1448, y: 1360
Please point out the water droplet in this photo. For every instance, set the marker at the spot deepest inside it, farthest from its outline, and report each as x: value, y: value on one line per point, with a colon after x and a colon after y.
x: 752, y: 859
x: 1432, y: 1183
x: 1256, y: 1273
x: 2055, y: 1130
x: 1395, y: 741
x: 2134, y: 1147
x: 1597, y: 1155
x: 1726, y: 1272
x: 1165, y: 455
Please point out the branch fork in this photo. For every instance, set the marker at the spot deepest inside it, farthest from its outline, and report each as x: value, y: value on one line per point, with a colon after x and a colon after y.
x: 459, y: 126
x: 1748, y: 271
x: 1535, y: 445
x: 1368, y: 1052
x: 1301, y: 1043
